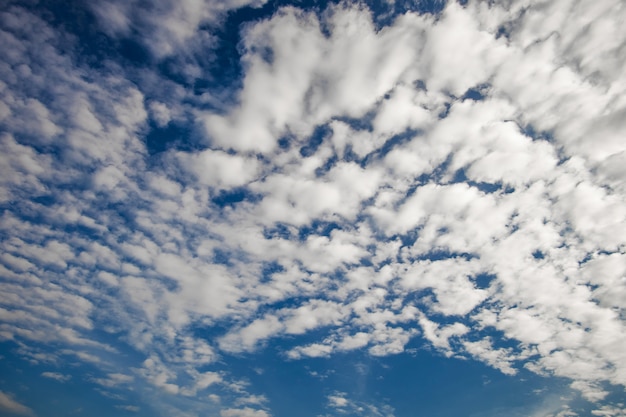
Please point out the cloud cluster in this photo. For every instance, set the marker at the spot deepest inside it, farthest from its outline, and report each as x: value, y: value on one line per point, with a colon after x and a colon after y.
x: 460, y: 177
x: 340, y: 404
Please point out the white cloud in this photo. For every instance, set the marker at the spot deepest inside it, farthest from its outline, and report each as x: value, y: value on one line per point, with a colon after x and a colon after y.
x: 113, y: 380
x: 342, y: 404
x: 610, y: 411
x: 243, y: 412
x: 247, y: 338
x: 440, y: 336
x: 21, y: 168
x: 312, y: 78
x: 337, y: 401
x: 160, y: 113
x: 203, y: 380
x: 9, y: 405
x: 252, y: 399
x: 159, y: 375
x: 57, y: 376
x: 219, y: 169
x: 497, y: 357
x: 315, y: 350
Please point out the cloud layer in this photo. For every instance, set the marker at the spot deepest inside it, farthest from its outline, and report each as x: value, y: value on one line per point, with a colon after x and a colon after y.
x: 456, y: 179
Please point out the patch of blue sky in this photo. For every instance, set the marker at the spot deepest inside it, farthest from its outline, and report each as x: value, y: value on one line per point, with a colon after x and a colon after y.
x: 423, y: 382
x: 320, y: 134
x: 51, y: 390
x: 234, y: 196
x: 418, y: 383
x: 393, y: 142
x: 460, y: 177
x: 171, y: 136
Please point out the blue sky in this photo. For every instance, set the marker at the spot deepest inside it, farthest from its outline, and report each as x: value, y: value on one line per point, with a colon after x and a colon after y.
x: 318, y: 209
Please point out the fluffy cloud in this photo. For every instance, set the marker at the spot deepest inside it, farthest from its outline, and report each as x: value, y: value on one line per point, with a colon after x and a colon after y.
x: 313, y: 77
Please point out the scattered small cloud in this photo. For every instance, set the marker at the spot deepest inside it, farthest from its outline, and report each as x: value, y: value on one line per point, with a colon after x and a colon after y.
x: 57, y: 376
x: 113, y: 380
x: 131, y: 408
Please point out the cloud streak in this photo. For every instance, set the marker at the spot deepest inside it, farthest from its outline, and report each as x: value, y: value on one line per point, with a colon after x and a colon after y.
x: 9, y: 405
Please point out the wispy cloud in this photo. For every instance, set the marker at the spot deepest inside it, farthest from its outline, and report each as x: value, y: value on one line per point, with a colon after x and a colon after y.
x: 131, y: 408
x: 9, y: 405
x: 57, y: 376
x: 166, y: 26
x: 340, y: 404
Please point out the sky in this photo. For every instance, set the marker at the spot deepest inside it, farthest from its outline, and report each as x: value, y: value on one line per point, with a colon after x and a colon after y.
x: 254, y: 208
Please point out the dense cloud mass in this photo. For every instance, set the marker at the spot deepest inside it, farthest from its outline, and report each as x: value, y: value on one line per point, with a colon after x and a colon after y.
x: 456, y: 178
